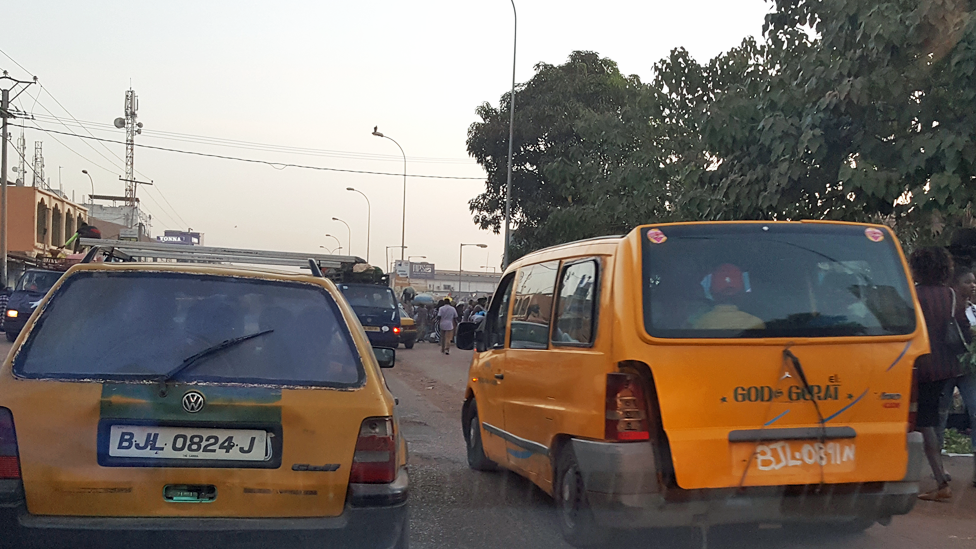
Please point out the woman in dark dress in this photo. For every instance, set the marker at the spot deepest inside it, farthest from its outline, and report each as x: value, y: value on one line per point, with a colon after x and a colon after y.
x: 932, y: 269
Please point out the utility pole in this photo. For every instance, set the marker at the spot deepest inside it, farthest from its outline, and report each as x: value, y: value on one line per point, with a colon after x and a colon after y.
x: 38, y: 165
x: 7, y: 84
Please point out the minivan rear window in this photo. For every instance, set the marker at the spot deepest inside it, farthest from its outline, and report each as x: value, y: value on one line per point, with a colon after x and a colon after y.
x: 773, y: 280
x: 137, y: 326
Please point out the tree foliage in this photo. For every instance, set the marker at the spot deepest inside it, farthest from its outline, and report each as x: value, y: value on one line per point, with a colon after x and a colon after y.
x: 847, y: 110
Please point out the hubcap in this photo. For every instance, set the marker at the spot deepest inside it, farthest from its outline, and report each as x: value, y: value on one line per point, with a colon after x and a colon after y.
x: 569, y: 497
x: 472, y: 431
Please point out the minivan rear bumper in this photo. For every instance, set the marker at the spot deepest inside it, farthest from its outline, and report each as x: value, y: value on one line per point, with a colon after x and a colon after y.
x: 623, y: 492
x: 373, y: 517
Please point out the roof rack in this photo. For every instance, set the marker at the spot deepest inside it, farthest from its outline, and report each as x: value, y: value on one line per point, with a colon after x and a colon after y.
x: 136, y: 251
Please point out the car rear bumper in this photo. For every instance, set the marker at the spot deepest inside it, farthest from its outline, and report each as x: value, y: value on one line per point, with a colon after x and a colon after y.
x: 623, y: 492
x: 383, y: 339
x: 374, y: 516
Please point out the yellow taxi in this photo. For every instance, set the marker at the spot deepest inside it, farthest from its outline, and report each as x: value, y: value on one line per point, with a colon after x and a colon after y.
x: 698, y: 374
x: 408, y: 329
x: 147, y: 402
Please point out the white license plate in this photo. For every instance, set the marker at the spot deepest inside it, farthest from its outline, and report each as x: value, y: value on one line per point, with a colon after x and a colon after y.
x: 371, y: 328
x: 794, y: 455
x: 140, y: 441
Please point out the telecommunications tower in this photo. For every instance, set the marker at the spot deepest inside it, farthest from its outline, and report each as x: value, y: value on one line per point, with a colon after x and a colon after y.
x: 132, y: 128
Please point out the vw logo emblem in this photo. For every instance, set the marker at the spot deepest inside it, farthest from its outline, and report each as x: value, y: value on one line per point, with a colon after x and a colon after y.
x: 193, y: 401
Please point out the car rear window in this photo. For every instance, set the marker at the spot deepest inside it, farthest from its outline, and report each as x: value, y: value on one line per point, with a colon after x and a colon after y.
x: 375, y: 296
x: 141, y: 325
x: 37, y: 281
x: 776, y: 280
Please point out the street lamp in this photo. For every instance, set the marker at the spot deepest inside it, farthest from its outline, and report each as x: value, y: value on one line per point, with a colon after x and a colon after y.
x: 337, y: 242
x: 348, y: 232
x: 403, y: 219
x: 460, y: 264
x: 331, y: 252
x: 511, y: 133
x: 369, y: 214
x: 386, y: 256
x: 92, y: 195
x: 409, y: 257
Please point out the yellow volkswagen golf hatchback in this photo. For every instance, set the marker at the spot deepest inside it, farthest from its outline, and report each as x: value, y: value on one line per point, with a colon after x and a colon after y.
x: 149, y: 404
x: 701, y: 374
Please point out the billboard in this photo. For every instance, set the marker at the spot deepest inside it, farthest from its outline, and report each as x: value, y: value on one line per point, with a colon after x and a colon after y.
x: 422, y: 270
x: 181, y: 237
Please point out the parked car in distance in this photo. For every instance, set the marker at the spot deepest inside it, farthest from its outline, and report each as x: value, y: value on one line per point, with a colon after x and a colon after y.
x: 32, y: 285
x: 408, y: 328
x: 377, y: 309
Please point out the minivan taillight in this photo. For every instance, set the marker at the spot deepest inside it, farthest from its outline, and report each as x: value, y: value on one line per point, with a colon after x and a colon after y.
x: 375, y: 460
x: 626, y: 408
x: 9, y: 462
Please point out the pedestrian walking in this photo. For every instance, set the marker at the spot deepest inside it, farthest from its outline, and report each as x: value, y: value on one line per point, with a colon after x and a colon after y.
x: 965, y: 288
x: 932, y: 269
x: 420, y: 317
x: 447, y: 316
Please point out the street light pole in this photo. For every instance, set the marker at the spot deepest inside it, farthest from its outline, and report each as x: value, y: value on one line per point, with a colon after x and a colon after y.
x: 369, y: 214
x: 8, y: 83
x: 386, y: 257
x: 337, y: 241
x: 461, y: 264
x: 511, y: 134
x: 403, y: 219
x: 91, y: 197
x: 348, y: 233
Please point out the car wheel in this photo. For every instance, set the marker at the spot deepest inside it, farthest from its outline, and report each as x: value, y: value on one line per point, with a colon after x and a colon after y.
x: 408, y: 345
x: 576, y: 520
x: 477, y: 459
x: 11, y: 337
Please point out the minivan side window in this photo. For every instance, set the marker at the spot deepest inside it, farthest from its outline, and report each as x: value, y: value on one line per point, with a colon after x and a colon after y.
x: 497, y: 317
x: 576, y: 305
x: 532, y: 311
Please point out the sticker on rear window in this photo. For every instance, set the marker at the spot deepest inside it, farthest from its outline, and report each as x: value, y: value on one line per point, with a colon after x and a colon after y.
x: 656, y: 236
x: 874, y: 235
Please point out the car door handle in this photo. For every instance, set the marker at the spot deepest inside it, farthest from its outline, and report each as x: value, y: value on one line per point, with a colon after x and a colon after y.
x: 499, y: 376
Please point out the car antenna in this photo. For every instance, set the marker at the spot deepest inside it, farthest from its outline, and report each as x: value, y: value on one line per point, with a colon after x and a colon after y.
x: 316, y: 271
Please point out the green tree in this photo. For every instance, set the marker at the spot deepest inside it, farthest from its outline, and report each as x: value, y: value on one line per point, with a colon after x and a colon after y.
x: 584, y: 162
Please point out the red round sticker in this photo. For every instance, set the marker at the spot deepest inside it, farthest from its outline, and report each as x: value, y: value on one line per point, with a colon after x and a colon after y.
x: 656, y: 236
x: 874, y: 235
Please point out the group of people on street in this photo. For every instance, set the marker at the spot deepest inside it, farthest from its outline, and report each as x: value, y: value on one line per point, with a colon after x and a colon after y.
x: 946, y: 289
x: 444, y: 317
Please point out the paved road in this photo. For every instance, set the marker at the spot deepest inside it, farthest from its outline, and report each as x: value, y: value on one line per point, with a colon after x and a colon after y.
x: 454, y: 507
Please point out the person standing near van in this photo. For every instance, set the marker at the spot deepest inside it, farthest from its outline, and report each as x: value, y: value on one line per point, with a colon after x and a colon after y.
x: 965, y: 288
x: 447, y: 316
x: 932, y: 270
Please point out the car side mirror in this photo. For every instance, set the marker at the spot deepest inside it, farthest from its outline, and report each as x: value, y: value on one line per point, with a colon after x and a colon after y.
x: 385, y: 356
x: 466, y: 335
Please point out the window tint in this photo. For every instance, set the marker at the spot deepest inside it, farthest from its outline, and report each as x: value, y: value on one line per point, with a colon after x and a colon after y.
x: 498, y: 312
x: 533, y: 306
x: 138, y: 326
x: 754, y: 280
x: 576, y: 307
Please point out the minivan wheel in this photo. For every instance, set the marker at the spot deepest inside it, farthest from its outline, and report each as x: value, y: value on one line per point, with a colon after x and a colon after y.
x: 575, y: 516
x: 11, y: 337
x: 477, y: 459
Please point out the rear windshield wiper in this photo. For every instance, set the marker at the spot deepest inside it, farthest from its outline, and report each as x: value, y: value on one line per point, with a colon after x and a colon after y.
x: 209, y: 351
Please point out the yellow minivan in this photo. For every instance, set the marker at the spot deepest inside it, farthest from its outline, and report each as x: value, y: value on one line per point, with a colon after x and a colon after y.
x: 697, y: 374
x: 148, y: 404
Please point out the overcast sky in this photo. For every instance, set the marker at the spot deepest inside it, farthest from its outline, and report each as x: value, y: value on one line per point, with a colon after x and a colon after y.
x: 317, y: 75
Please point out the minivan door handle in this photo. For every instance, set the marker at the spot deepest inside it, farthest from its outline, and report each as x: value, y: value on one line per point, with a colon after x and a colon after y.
x: 499, y: 376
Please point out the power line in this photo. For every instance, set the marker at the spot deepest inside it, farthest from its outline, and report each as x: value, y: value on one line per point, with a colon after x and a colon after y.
x: 251, y: 145
x: 275, y: 165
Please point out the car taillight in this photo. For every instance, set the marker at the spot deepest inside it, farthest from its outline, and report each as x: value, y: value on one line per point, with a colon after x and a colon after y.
x: 913, y: 404
x: 375, y: 460
x: 12, y: 313
x: 396, y: 329
x: 626, y: 408
x: 9, y: 462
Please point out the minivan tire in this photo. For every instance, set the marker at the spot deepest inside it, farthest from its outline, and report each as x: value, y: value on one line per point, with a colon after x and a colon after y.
x: 477, y: 459
x: 576, y: 521
x: 11, y: 337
